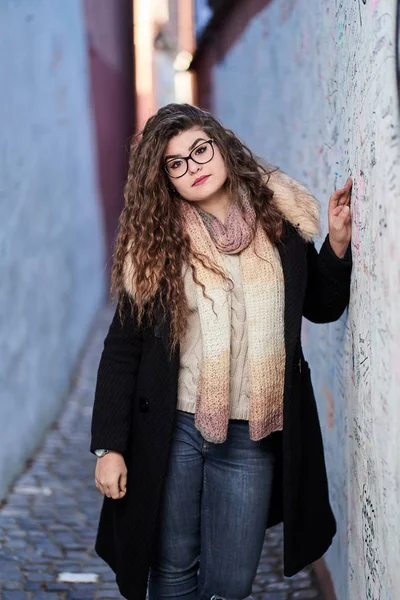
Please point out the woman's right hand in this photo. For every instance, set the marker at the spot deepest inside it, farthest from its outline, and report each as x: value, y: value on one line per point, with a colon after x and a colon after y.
x: 111, y: 474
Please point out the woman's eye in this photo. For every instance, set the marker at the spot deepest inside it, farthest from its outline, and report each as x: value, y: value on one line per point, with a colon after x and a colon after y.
x: 175, y: 165
x: 200, y: 149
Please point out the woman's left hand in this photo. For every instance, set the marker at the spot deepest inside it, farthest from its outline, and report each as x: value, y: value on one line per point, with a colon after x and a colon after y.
x: 339, y: 219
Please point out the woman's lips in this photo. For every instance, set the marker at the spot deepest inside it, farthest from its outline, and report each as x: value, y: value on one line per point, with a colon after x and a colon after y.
x: 201, y: 180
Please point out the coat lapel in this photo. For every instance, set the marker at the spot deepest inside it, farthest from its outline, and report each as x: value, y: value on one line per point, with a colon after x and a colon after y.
x: 161, y: 328
x: 293, y: 253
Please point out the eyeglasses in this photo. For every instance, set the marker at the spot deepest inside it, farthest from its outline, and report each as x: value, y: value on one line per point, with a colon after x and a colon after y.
x: 201, y: 154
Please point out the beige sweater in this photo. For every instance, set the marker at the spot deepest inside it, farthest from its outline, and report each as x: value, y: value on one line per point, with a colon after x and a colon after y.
x: 191, y: 347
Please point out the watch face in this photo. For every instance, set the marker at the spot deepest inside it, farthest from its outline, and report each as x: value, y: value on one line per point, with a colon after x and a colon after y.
x: 100, y: 453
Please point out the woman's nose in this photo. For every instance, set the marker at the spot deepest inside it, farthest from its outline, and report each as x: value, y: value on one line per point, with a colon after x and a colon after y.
x: 193, y: 166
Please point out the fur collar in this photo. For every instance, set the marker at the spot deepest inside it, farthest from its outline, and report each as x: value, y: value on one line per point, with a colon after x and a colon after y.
x: 296, y: 203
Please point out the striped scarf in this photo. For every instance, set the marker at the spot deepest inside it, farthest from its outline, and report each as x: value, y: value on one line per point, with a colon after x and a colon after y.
x: 263, y: 288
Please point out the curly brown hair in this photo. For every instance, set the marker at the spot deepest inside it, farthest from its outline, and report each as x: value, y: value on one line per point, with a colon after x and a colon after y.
x: 151, y: 235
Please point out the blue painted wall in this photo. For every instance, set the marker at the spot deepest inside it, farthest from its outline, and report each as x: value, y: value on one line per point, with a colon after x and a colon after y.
x: 51, y: 239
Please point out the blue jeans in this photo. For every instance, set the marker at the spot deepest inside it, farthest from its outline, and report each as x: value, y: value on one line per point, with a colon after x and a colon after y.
x: 214, y: 517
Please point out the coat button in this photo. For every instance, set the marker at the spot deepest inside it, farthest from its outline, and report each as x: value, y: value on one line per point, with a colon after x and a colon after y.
x: 144, y: 405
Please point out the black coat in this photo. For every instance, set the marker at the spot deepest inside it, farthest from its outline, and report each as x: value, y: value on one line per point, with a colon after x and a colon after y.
x: 134, y: 412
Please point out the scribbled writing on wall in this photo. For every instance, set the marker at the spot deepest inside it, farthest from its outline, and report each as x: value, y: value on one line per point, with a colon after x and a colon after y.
x: 324, y: 106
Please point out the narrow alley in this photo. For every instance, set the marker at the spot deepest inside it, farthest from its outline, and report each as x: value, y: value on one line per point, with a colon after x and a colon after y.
x: 98, y: 99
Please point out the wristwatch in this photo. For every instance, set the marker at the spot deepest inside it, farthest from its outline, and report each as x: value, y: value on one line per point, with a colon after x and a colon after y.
x: 101, y: 452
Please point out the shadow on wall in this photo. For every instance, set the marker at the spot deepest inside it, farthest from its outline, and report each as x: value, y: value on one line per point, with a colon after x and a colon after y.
x: 110, y: 47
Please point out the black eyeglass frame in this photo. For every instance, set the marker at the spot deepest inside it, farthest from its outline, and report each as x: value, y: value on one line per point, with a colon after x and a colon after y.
x: 186, y: 158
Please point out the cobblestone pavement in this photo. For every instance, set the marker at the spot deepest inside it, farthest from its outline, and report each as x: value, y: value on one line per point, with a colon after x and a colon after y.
x: 49, y: 519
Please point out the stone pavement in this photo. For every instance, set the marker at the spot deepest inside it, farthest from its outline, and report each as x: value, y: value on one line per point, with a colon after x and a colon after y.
x: 48, y: 521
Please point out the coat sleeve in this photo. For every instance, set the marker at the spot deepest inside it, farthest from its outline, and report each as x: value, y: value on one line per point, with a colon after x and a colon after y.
x: 328, y: 283
x: 116, y: 379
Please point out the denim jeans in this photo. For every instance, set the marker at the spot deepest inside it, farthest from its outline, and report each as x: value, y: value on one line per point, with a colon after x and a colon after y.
x: 214, y: 516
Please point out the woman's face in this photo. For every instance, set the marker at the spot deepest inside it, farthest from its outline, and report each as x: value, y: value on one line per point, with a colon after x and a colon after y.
x: 201, y: 181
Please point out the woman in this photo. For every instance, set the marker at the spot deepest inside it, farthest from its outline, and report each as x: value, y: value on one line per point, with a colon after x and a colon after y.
x: 204, y: 418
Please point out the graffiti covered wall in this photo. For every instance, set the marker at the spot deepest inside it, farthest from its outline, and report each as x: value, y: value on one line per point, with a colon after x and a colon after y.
x: 312, y: 88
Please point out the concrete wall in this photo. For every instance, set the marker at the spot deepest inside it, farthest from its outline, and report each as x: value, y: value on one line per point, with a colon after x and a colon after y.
x: 51, y: 243
x: 311, y: 86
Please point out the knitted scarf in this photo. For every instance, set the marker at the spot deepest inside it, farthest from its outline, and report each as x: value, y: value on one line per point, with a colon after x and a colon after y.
x: 263, y: 287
